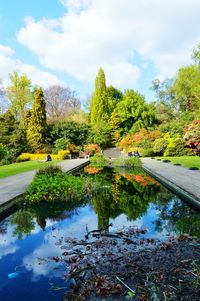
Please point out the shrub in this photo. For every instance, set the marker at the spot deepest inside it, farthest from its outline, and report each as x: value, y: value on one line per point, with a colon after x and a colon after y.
x: 178, y: 149
x: 145, y: 143
x: 98, y: 159
x: 159, y: 146
x: 73, y: 149
x: 23, y: 158
x: 49, y: 170
x: 10, y: 156
x: 128, y: 162
x: 7, y: 160
x: 51, y: 185
x: 36, y: 157
x: 61, y: 144
x: 92, y: 148
x: 147, y: 152
x: 63, y: 154
x: 3, y: 151
x: 143, y: 138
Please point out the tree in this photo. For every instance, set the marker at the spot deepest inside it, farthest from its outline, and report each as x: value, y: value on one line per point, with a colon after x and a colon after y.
x: 37, y: 126
x: 163, y: 90
x: 75, y: 132
x: 134, y: 113
x: 187, y: 88
x: 7, y: 127
x: 3, y: 100
x: 114, y: 97
x: 196, y: 54
x: 101, y: 134
x: 60, y: 101
x: 19, y: 94
x: 116, y: 131
x: 99, y: 104
x: 192, y: 136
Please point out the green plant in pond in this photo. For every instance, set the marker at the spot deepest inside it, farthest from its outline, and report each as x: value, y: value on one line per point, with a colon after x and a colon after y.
x: 99, y: 160
x: 49, y: 170
x: 127, y: 162
x: 51, y: 184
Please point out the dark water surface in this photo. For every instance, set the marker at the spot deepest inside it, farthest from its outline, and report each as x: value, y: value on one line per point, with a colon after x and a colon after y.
x: 29, y: 237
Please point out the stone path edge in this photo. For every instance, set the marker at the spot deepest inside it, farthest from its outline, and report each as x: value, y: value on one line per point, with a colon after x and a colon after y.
x: 185, y: 195
x: 10, y: 205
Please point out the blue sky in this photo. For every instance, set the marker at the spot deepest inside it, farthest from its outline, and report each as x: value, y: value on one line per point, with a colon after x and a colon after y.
x: 66, y: 41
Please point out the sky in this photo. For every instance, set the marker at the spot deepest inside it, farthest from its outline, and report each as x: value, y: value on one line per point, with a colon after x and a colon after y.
x: 65, y: 42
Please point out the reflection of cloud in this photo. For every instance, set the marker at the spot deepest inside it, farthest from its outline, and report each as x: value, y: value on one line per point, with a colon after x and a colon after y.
x: 6, y: 250
x: 38, y: 261
x: 7, y: 241
x: 122, y: 221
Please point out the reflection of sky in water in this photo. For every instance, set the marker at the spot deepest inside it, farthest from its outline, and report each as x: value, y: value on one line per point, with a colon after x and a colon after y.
x: 29, y: 256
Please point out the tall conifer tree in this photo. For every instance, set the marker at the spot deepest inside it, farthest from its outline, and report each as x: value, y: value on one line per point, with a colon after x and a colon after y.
x: 99, y: 105
x: 37, y: 126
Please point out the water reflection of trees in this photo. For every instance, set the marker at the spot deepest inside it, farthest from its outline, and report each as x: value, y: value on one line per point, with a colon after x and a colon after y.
x: 176, y: 216
x: 122, y: 193
x: 26, y: 219
x: 23, y: 221
x: 115, y: 193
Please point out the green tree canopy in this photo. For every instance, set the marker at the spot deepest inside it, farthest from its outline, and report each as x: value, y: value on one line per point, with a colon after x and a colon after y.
x: 19, y: 94
x: 133, y: 112
x: 186, y: 88
x: 114, y: 97
x: 75, y: 132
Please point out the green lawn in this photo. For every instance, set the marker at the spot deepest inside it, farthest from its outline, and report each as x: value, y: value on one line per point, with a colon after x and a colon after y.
x: 16, y: 168
x: 187, y: 161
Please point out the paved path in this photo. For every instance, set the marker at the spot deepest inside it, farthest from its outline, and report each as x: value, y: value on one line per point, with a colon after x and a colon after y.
x: 178, y: 178
x: 113, y: 152
x: 11, y: 187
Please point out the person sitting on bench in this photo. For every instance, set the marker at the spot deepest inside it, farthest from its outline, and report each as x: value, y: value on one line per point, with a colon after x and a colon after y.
x: 48, y: 158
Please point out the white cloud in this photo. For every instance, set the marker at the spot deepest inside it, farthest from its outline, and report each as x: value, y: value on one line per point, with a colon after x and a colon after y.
x: 8, y: 64
x: 106, y: 33
x: 76, y: 5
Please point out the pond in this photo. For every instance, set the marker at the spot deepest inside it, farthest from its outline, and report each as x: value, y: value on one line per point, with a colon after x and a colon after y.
x: 30, y: 236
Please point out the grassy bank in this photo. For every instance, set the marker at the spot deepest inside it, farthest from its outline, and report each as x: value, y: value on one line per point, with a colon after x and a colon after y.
x: 187, y: 161
x: 16, y: 168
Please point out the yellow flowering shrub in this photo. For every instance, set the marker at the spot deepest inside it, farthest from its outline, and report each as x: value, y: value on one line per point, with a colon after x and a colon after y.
x: 35, y: 157
x: 63, y: 154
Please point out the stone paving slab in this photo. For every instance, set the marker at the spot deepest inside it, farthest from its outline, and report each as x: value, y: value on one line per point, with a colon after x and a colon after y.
x: 13, y: 186
x: 185, y: 179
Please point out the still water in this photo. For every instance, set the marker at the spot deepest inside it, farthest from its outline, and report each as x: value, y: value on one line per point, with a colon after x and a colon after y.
x: 29, y: 237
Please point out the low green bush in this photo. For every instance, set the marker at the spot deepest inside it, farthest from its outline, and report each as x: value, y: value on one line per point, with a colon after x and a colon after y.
x: 147, y: 152
x: 98, y: 160
x: 159, y: 146
x: 178, y: 149
x: 3, y: 151
x: 51, y: 184
x: 127, y: 162
x: 61, y: 144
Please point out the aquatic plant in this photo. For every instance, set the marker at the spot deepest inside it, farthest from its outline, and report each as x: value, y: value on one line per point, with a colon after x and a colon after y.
x: 128, y: 162
x: 51, y: 184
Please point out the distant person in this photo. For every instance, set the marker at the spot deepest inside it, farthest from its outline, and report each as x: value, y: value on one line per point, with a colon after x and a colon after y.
x: 136, y: 154
x: 87, y: 155
x: 130, y: 154
x: 48, y: 158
